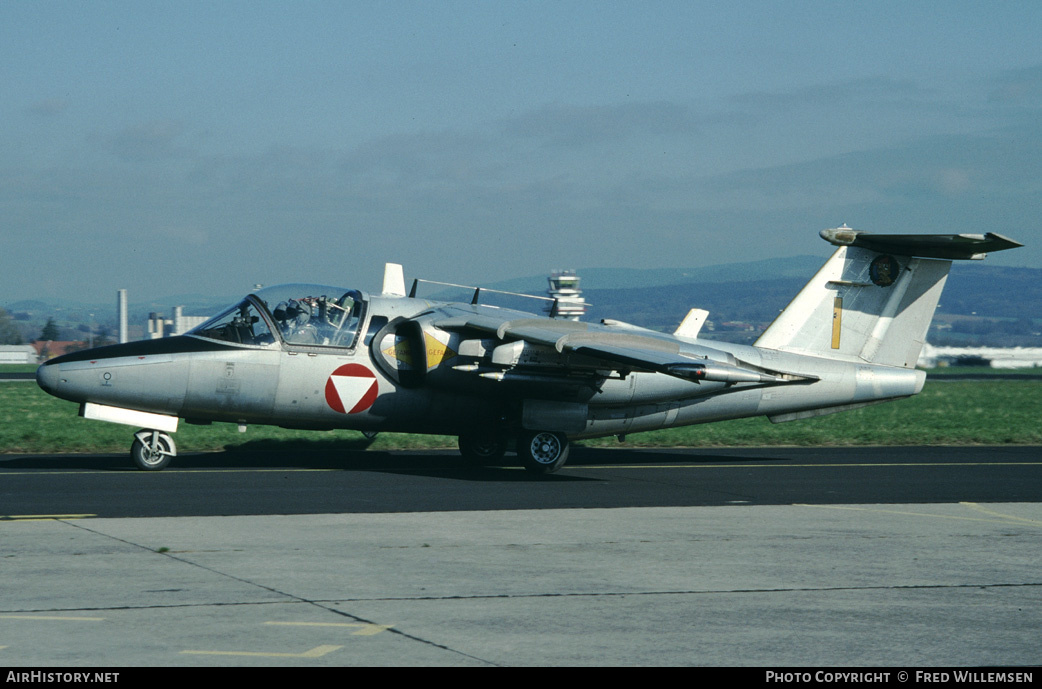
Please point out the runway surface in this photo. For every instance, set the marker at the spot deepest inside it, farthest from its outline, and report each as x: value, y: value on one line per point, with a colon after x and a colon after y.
x: 773, y: 557
x: 298, y: 480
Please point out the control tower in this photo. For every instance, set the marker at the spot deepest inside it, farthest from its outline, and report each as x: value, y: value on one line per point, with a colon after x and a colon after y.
x: 564, y: 287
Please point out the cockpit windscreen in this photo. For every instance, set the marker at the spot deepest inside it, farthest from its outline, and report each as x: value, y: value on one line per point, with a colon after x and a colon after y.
x: 312, y: 315
x: 241, y: 324
x: 315, y: 314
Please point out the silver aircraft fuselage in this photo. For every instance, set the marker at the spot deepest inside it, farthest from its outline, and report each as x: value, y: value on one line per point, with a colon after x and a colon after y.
x: 320, y: 357
x: 298, y: 385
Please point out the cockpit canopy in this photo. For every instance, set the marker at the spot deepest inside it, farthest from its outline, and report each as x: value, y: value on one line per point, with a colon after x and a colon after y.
x: 298, y: 314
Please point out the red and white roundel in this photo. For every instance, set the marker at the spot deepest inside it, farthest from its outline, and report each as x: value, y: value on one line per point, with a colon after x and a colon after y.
x: 352, y: 388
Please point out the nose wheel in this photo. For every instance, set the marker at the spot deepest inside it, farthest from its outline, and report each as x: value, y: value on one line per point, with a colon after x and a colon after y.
x: 542, y: 452
x: 152, y: 450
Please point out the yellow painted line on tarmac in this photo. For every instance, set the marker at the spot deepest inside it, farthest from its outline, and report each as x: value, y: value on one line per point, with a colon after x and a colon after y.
x: 316, y: 652
x: 249, y: 469
x: 364, y: 628
x: 52, y: 618
x: 781, y: 464
x: 41, y: 517
x: 160, y: 473
x: 999, y: 518
x: 1000, y: 515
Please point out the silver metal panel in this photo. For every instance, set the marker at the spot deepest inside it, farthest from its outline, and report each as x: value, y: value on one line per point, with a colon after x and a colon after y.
x: 233, y: 386
x: 546, y: 415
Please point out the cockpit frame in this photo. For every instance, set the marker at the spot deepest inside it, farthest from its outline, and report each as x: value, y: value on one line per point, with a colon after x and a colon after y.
x: 296, y: 317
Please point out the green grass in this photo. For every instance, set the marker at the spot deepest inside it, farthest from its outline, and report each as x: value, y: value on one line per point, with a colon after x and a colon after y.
x: 986, y: 370
x: 956, y: 413
x: 969, y: 413
x: 18, y: 368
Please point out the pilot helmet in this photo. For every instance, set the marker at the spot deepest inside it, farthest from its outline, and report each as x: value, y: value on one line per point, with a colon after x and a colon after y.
x: 300, y: 310
x: 280, y: 311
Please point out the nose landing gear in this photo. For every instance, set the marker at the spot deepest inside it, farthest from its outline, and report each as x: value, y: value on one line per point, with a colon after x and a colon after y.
x: 152, y: 450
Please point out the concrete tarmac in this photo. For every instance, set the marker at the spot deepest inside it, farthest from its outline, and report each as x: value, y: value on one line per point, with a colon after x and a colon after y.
x: 911, y: 585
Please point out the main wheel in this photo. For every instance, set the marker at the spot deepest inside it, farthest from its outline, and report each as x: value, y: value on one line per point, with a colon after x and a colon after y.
x: 480, y: 448
x: 542, y: 452
x: 152, y: 450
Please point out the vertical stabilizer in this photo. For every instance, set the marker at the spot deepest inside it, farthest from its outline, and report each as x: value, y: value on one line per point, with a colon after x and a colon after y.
x: 874, y: 299
x: 863, y: 305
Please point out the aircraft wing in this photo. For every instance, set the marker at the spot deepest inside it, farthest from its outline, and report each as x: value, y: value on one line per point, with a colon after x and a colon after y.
x: 678, y: 365
x: 627, y: 351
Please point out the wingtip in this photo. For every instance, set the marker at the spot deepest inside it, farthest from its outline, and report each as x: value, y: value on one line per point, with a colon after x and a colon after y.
x: 1003, y: 241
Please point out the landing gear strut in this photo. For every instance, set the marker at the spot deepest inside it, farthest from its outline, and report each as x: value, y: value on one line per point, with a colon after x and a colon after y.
x: 152, y: 450
x: 542, y: 452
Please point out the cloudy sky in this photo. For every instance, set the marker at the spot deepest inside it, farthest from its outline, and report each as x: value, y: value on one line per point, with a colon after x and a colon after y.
x: 173, y: 147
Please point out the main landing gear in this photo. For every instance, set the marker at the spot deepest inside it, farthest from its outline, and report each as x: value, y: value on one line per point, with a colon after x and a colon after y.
x: 540, y: 452
x: 482, y: 448
x: 152, y: 450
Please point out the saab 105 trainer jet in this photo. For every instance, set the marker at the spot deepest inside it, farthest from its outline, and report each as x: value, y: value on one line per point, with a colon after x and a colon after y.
x: 318, y: 357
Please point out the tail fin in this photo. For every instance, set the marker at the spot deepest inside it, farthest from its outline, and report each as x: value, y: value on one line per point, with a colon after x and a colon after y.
x: 873, y: 300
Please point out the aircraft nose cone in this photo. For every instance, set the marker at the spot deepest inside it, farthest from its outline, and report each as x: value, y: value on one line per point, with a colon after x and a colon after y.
x: 47, y: 378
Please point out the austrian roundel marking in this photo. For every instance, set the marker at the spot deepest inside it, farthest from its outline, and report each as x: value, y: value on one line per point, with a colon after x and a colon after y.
x: 352, y: 388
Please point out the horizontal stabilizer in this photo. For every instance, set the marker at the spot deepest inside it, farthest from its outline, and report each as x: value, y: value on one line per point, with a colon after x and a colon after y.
x: 950, y: 246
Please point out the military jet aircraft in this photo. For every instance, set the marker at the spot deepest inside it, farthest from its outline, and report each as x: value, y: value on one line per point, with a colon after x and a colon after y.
x: 320, y: 357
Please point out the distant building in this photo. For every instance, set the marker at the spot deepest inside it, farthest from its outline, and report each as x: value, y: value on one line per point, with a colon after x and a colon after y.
x: 17, y: 354
x: 995, y: 357
x: 564, y: 287
x: 159, y: 326
x: 48, y: 349
x: 121, y: 315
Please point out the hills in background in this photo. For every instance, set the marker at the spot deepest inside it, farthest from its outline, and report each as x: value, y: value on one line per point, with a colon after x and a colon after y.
x: 801, y: 267
x: 981, y: 304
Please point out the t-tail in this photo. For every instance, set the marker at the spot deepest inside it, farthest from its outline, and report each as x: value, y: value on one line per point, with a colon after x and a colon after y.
x: 873, y: 300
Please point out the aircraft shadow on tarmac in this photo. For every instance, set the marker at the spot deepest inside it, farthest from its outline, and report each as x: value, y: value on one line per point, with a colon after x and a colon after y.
x: 352, y: 455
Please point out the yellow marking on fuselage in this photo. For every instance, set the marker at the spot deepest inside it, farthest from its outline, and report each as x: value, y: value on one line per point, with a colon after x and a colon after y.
x: 837, y: 319
x: 437, y: 351
x: 400, y: 351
